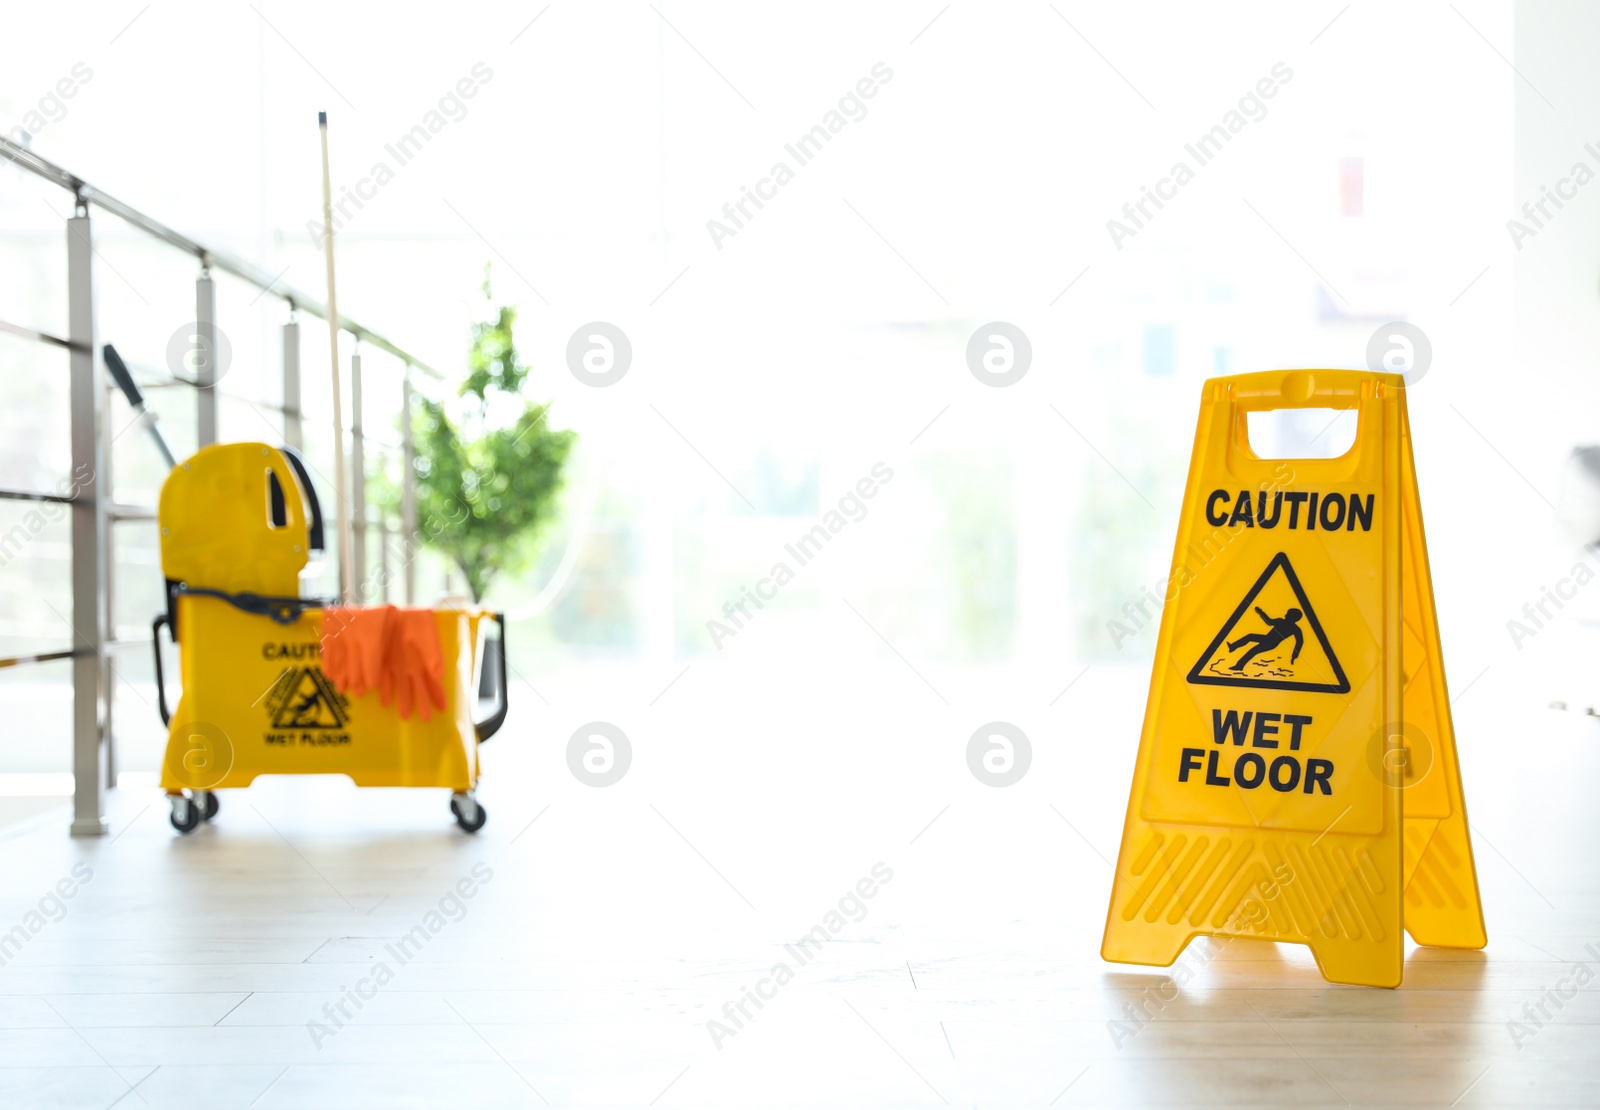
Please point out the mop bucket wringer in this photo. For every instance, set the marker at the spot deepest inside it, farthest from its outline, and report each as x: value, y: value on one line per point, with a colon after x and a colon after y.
x: 238, y: 522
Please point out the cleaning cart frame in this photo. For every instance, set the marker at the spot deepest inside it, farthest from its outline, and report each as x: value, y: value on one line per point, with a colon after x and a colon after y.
x: 237, y: 523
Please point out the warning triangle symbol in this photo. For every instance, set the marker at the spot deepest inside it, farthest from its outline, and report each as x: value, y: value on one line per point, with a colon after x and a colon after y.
x: 1273, y: 641
x: 311, y: 702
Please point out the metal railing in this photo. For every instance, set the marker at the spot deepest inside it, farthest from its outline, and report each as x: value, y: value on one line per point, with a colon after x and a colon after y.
x: 93, y: 507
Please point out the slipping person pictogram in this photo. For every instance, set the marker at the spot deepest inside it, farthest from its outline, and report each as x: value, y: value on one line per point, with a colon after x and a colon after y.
x: 303, y: 698
x: 1291, y: 652
x: 299, y: 717
x: 1281, y: 629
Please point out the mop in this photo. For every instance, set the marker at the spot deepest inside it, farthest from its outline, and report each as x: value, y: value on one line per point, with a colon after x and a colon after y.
x: 346, y: 571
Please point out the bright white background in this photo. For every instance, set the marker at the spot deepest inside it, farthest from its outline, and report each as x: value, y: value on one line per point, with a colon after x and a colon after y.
x: 829, y: 333
x: 771, y: 374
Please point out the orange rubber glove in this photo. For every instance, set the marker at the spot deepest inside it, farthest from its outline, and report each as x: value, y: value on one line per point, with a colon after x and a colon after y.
x: 413, y: 663
x: 354, y: 643
x: 335, y: 660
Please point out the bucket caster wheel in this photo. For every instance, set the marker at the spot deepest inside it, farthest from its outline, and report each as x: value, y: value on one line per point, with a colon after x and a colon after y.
x: 185, y: 816
x: 469, y: 814
x: 206, y: 801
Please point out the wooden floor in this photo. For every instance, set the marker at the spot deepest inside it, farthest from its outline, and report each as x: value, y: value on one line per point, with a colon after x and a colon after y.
x: 607, y: 927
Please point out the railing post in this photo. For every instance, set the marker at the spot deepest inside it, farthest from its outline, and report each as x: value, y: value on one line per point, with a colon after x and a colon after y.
x: 358, y: 485
x: 384, y: 558
x: 205, y: 318
x: 90, y: 689
x: 105, y: 493
x: 292, y: 434
x: 408, y: 491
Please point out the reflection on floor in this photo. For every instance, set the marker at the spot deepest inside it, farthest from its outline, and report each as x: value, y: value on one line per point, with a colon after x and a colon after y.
x: 25, y: 810
x: 320, y: 946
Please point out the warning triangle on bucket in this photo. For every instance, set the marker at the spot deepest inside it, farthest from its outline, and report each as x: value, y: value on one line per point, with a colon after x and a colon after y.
x: 1273, y: 641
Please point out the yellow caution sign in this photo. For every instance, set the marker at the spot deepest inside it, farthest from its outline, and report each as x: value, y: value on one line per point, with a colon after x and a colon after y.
x: 1442, y: 908
x: 1297, y: 775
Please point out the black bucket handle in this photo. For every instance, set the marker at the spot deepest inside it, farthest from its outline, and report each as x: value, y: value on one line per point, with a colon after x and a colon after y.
x: 161, y: 680
x: 491, y: 724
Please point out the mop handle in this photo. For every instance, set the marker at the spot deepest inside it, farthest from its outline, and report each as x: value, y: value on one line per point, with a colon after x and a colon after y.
x: 342, y: 505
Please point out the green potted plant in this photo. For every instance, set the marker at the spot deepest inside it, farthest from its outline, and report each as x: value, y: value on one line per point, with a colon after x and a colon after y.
x: 488, y: 466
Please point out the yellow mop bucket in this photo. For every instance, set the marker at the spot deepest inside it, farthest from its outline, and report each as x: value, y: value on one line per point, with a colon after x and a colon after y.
x: 237, y: 521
